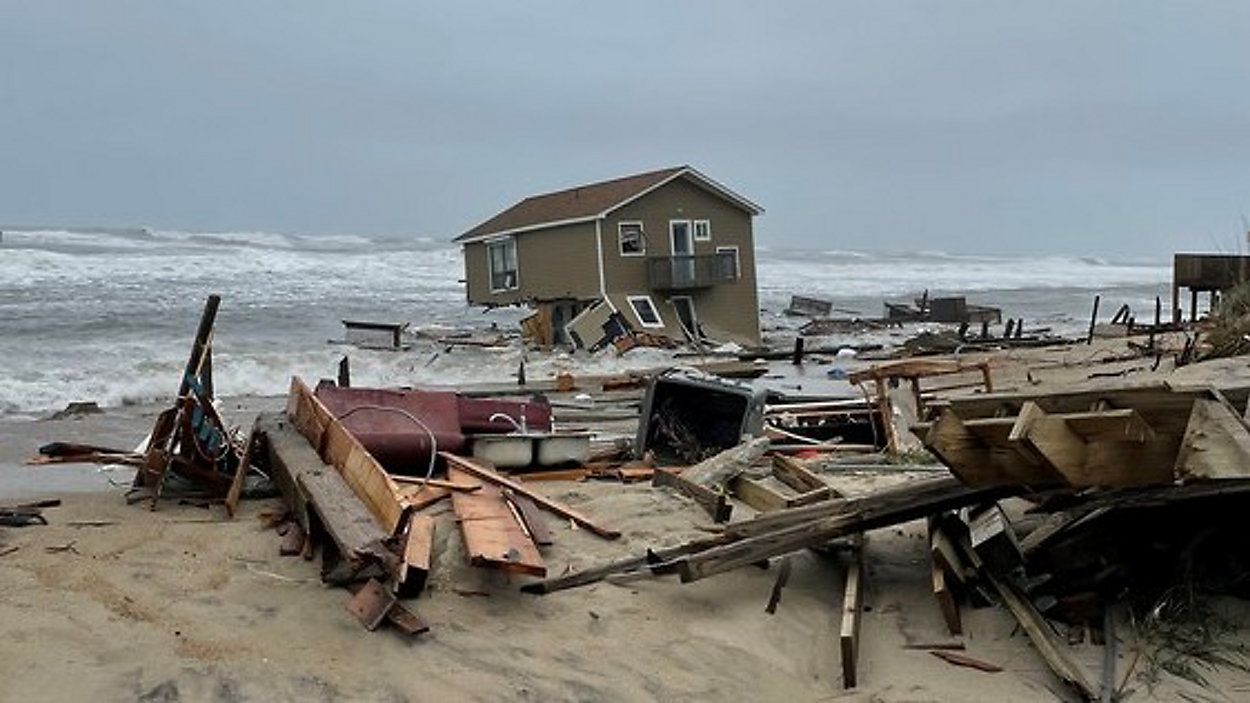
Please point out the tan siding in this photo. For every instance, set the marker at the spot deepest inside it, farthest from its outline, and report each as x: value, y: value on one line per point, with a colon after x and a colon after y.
x: 727, y: 311
x: 556, y: 263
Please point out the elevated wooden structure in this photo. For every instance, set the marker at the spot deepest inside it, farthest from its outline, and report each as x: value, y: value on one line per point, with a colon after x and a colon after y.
x: 1118, y: 437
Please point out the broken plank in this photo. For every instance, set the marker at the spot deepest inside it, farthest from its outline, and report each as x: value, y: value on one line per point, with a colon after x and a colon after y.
x: 1043, y: 638
x: 718, y: 470
x: 946, y: 600
x: 530, y: 517
x: 493, y: 537
x: 339, y: 448
x: 317, y: 495
x: 418, y: 554
x: 557, y: 475
x: 783, y: 577
x: 1216, y: 444
x: 757, y: 495
x: 888, y: 507
x: 465, y: 466
x: 964, y: 660
x: 852, y: 609
x: 421, y: 497
x: 370, y: 604
x: 240, y: 473
x: 713, y: 501
x: 435, y: 483
x: 796, y: 475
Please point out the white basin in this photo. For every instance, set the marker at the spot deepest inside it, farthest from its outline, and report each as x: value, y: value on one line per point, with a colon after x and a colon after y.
x: 557, y: 449
x: 506, y: 451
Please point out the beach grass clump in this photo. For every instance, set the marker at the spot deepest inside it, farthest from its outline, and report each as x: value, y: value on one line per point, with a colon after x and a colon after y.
x: 1229, y: 332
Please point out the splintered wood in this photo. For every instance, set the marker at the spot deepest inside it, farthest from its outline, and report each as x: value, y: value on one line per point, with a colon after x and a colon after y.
x: 493, y: 536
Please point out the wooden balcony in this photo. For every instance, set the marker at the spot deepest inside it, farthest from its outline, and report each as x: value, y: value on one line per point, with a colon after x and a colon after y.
x: 691, y: 271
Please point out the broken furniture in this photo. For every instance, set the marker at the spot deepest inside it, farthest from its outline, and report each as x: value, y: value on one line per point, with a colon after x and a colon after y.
x: 405, y: 429
x: 383, y: 336
x: 191, y: 440
x: 809, y: 307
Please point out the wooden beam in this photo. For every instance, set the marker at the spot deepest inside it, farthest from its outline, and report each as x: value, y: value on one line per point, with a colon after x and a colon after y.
x: 757, y: 495
x: 717, y: 471
x: 796, y: 475
x: 436, y: 483
x: 1216, y: 444
x: 240, y: 473
x: 1043, y: 638
x: 421, y: 497
x: 493, y: 537
x: 418, y: 555
x: 967, y: 456
x: 852, y: 607
x: 920, y: 499
x: 342, y: 450
x: 713, y: 501
x: 311, y: 488
x: 471, y: 468
x: 530, y: 517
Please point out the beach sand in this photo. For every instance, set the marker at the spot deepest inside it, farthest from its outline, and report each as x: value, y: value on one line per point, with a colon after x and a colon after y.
x: 183, y: 604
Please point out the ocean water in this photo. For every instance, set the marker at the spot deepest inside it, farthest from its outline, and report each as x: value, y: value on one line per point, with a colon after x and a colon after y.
x: 108, y: 315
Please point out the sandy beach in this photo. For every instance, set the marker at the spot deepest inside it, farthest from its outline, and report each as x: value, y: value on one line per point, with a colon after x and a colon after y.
x: 116, y: 602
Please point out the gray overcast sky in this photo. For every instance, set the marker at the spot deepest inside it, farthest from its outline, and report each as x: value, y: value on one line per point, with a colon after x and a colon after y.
x: 1069, y: 128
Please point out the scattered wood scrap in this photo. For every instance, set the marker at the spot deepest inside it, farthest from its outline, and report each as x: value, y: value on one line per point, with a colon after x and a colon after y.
x: 471, y: 468
x: 493, y: 535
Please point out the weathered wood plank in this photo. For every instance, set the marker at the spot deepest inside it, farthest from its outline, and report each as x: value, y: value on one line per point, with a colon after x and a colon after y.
x: 757, y: 495
x: 240, y: 473
x: 717, y: 471
x: 531, y: 518
x: 418, y: 555
x: 421, y: 497
x: 852, y: 610
x: 796, y: 475
x: 1216, y: 444
x: 311, y: 487
x: 339, y: 448
x: 493, y: 537
x: 711, y: 500
x: 892, y: 507
x: 1043, y: 638
x: 466, y: 466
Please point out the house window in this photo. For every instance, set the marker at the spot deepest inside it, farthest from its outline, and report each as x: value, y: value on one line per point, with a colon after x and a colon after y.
x: 632, y: 241
x: 501, y: 260
x: 645, y: 311
x: 703, y: 230
x: 727, y: 264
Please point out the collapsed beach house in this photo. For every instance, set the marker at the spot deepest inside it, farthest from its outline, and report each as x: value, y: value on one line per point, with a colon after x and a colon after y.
x: 665, y: 254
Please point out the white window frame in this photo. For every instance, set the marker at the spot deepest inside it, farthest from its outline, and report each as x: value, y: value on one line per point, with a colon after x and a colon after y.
x: 620, y: 238
x: 737, y: 258
x: 490, y: 264
x: 672, y: 237
x: 633, y: 299
x: 707, y: 230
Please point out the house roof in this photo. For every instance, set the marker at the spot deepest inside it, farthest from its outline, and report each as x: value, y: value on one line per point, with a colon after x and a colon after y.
x: 592, y: 201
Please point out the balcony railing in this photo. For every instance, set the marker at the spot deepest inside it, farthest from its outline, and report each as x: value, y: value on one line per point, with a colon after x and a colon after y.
x: 692, y: 270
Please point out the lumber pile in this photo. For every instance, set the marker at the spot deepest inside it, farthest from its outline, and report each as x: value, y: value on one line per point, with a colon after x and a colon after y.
x: 369, y: 526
